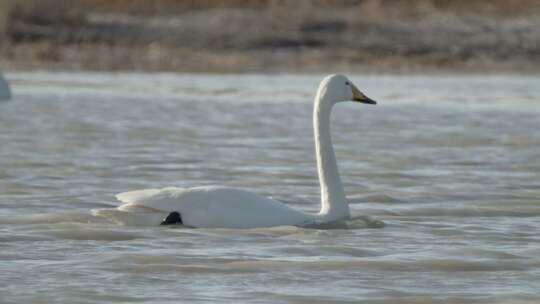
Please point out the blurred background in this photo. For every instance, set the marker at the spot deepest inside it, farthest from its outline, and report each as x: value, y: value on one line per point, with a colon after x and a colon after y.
x: 271, y: 35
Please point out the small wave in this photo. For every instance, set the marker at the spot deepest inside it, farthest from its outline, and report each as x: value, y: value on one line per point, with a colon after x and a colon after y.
x: 471, y: 211
x: 374, y: 198
x: 161, y: 264
x: 485, y: 253
x: 269, y: 265
x: 69, y: 225
x: 48, y: 218
x: 21, y: 238
x: 276, y: 231
x: 356, y: 222
x: 327, y: 251
x: 448, y: 265
x: 82, y: 232
x: 365, y: 221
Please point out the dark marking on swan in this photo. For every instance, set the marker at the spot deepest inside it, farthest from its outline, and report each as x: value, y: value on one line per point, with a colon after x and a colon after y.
x: 172, y: 219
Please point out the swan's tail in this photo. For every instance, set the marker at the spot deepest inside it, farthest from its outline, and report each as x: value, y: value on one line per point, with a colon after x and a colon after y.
x: 131, y: 217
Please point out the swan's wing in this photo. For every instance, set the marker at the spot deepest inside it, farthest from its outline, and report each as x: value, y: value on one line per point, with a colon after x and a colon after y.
x: 163, y: 200
x: 136, y: 196
x: 213, y: 207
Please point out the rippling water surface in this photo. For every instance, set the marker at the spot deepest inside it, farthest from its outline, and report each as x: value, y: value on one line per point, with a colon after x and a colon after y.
x: 451, y: 165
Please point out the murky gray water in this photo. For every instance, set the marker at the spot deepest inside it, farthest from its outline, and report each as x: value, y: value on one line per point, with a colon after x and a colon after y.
x: 451, y: 165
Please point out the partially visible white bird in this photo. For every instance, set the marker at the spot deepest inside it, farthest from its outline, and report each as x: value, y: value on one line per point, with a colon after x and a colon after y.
x: 5, y: 91
x: 221, y: 207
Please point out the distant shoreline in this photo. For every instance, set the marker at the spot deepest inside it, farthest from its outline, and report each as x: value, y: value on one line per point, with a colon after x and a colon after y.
x: 270, y: 38
x: 45, y: 56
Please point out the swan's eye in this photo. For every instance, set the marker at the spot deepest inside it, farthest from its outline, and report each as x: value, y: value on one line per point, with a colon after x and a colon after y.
x: 347, y: 83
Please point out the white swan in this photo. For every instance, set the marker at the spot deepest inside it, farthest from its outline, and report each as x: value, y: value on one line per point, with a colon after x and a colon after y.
x: 220, y: 207
x: 5, y: 92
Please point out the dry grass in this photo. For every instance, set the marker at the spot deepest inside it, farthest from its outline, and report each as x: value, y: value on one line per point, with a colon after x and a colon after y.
x: 269, y: 35
x: 370, y: 8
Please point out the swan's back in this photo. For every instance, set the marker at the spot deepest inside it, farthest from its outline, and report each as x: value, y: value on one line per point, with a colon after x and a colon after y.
x: 213, y: 207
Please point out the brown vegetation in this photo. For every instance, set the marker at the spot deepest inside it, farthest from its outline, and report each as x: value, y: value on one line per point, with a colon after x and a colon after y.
x: 271, y: 35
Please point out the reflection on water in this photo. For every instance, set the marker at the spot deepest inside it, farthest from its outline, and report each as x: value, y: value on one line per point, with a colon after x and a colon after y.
x: 447, y: 167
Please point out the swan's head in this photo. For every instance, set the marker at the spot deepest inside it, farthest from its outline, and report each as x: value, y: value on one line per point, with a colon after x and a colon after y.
x: 338, y: 88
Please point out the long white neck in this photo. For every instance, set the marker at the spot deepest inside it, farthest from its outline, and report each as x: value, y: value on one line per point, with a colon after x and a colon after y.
x: 333, y: 201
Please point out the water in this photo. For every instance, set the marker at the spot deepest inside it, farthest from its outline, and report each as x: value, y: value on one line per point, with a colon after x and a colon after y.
x: 451, y: 165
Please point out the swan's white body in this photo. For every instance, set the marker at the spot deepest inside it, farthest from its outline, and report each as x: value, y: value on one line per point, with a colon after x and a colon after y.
x: 5, y: 92
x: 221, y: 207
x: 215, y: 207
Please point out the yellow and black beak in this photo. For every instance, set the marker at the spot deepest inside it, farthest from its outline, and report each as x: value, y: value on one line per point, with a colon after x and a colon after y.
x: 360, y: 97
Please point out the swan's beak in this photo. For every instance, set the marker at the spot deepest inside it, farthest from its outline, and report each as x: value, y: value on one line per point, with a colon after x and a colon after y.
x: 360, y: 97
